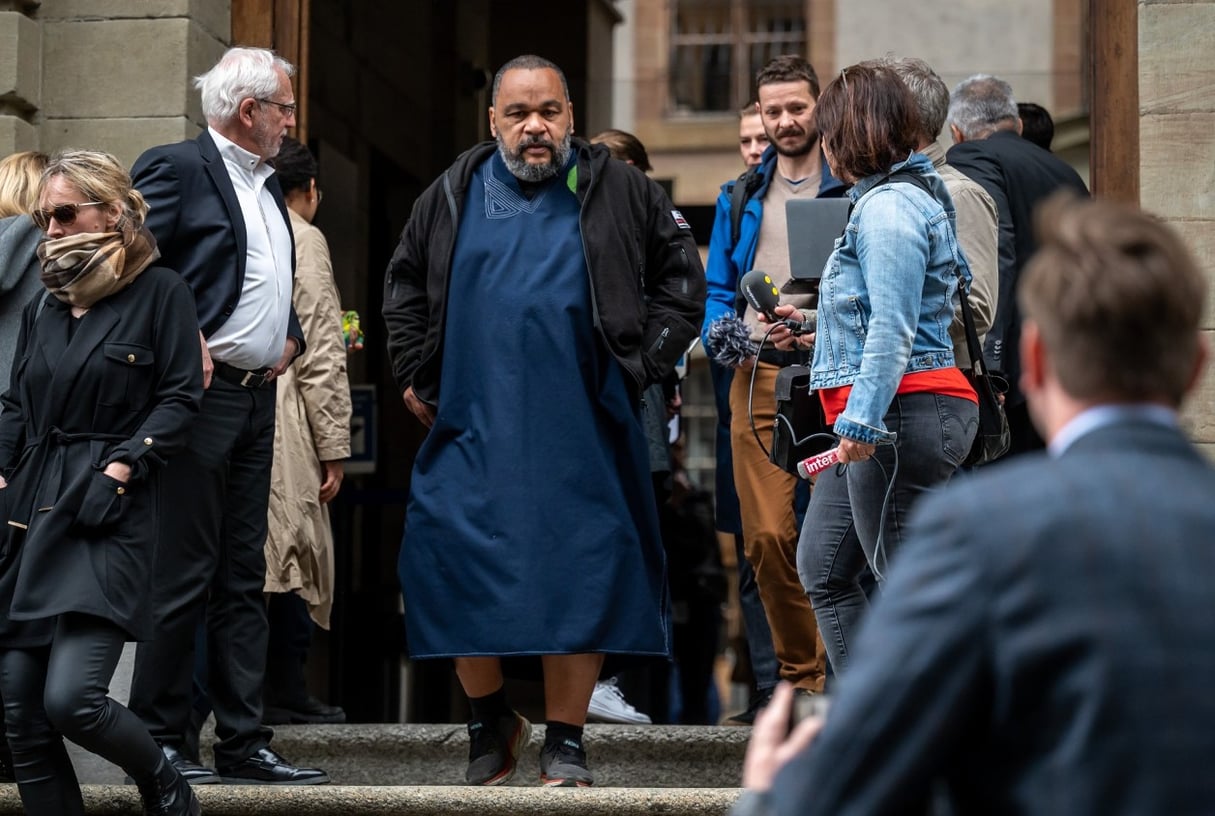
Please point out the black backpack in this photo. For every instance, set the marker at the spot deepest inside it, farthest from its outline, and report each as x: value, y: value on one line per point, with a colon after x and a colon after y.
x: 740, y: 193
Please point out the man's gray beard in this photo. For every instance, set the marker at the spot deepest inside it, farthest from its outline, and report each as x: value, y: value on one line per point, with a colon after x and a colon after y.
x: 524, y: 171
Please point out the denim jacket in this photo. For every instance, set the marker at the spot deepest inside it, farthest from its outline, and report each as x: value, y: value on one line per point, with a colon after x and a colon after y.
x: 888, y: 296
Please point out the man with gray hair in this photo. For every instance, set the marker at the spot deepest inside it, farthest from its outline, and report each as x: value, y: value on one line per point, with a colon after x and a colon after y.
x: 1017, y: 174
x: 219, y: 219
x: 978, y: 221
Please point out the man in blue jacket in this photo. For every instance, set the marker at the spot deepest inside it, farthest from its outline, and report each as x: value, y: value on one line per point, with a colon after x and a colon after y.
x: 792, y: 167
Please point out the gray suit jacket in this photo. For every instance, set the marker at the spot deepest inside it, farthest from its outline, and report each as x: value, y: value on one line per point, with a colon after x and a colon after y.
x: 1045, y: 645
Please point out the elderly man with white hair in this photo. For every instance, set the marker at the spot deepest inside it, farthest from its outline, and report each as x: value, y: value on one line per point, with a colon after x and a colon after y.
x: 218, y: 215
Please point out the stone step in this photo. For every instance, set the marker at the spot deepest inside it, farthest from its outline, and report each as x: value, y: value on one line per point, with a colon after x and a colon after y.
x: 334, y: 800
x: 621, y: 756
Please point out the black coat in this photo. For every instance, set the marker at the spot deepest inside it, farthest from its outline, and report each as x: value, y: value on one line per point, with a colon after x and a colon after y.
x: 1018, y: 175
x: 124, y: 384
x: 647, y: 283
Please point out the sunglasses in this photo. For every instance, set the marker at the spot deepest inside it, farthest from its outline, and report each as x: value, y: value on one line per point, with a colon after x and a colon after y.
x: 65, y: 214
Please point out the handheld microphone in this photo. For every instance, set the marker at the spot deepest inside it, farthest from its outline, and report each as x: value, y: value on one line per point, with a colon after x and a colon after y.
x: 818, y: 463
x: 761, y: 293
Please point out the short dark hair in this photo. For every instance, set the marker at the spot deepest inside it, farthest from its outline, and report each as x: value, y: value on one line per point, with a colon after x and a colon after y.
x: 527, y: 62
x: 1117, y: 299
x: 294, y: 165
x: 624, y: 146
x: 1036, y: 124
x: 788, y: 68
x: 867, y: 119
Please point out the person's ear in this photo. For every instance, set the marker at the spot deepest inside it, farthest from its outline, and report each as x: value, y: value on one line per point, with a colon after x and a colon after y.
x: 1201, y: 355
x: 493, y: 126
x: 245, y: 111
x: 1034, y: 359
x: 956, y: 134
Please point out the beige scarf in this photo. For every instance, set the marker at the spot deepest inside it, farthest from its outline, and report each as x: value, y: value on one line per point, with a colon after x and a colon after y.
x: 83, y: 269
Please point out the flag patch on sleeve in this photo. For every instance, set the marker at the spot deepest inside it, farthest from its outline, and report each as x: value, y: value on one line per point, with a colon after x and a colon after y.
x: 680, y: 221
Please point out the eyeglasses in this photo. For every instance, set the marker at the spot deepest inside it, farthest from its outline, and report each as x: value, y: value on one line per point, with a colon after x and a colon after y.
x: 289, y: 110
x: 65, y: 214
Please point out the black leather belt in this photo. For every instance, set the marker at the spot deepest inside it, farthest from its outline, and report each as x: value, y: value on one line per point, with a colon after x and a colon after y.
x: 241, y: 377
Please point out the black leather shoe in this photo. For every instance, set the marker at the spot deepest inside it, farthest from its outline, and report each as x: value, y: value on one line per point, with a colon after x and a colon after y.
x: 166, y: 793
x: 194, y: 773
x: 308, y: 710
x: 268, y: 768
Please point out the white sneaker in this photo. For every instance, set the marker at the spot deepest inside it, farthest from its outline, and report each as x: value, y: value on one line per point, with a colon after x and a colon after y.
x: 608, y: 705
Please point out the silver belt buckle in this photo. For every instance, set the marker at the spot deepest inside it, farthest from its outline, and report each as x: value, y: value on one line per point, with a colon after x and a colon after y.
x: 258, y: 379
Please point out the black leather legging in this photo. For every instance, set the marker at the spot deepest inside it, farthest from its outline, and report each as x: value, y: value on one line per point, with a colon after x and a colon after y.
x: 61, y: 691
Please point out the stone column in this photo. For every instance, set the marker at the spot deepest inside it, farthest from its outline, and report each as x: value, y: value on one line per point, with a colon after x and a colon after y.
x: 20, y: 77
x: 117, y: 74
x: 1177, y: 143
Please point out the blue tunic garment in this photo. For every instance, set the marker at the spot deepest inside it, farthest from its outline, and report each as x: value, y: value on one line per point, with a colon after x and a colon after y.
x: 531, y: 527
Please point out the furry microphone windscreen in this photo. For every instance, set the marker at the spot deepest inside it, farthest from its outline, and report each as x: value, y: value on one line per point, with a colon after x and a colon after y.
x: 729, y: 340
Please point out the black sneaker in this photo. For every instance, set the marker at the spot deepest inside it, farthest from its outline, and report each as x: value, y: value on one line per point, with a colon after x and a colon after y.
x: 563, y: 765
x: 494, y: 747
x: 759, y: 701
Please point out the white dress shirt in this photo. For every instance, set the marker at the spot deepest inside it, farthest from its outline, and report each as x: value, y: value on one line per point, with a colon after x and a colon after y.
x: 254, y: 334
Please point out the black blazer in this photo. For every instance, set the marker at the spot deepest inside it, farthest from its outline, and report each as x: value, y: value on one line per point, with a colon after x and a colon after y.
x: 125, y: 385
x: 1018, y: 175
x: 199, y: 227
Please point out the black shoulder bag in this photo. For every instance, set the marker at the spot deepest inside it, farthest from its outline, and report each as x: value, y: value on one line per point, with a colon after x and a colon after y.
x: 991, y: 439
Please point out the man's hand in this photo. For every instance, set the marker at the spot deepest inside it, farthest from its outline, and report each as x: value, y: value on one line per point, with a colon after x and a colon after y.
x: 852, y: 451
x: 289, y: 349
x: 3, y: 483
x: 331, y: 479
x: 119, y: 471
x: 769, y: 749
x: 782, y: 337
x: 208, y: 364
x: 425, y: 413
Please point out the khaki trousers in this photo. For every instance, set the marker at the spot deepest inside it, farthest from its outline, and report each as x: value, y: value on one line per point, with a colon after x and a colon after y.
x: 770, y: 534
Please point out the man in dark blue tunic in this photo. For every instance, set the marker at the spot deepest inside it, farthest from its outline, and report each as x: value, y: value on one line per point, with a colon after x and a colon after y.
x: 531, y: 526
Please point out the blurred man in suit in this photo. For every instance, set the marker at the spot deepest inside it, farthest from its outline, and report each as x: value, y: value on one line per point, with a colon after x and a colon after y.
x: 995, y: 666
x: 1017, y: 174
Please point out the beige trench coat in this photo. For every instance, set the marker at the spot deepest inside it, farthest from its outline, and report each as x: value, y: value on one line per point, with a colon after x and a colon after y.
x: 313, y: 425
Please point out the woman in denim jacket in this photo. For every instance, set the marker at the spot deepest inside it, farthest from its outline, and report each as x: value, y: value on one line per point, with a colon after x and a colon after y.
x: 883, y: 358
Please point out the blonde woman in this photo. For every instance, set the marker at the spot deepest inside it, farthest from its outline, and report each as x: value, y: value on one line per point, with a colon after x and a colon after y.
x: 106, y: 382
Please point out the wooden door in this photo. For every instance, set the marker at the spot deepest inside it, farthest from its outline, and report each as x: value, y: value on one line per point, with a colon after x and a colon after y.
x: 283, y: 26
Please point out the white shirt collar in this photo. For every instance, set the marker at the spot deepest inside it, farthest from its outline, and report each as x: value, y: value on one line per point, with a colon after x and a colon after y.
x: 1100, y: 416
x: 235, y: 155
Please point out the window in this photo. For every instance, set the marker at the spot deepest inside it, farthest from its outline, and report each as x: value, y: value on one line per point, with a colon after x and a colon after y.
x: 717, y: 47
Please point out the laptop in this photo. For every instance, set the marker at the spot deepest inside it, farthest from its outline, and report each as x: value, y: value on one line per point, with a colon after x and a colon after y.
x: 813, y: 224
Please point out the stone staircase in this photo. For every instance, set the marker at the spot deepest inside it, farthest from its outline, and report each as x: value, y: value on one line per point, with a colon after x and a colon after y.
x: 418, y: 770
